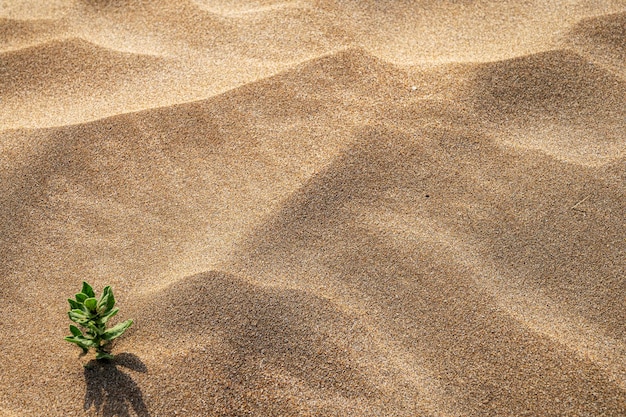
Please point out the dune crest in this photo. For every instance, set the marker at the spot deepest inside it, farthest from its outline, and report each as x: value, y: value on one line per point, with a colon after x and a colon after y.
x: 337, y: 236
x: 67, y: 61
x: 603, y: 40
x: 56, y: 74
x: 271, y: 337
x: 16, y: 34
x: 557, y: 102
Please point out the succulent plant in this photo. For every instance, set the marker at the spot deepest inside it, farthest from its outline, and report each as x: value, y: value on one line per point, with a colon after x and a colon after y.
x: 92, y: 314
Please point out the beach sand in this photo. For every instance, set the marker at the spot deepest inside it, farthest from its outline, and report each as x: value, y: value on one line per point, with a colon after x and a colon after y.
x: 315, y: 208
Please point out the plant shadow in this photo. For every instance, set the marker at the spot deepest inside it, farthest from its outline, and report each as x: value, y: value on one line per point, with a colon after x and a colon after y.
x: 112, y: 392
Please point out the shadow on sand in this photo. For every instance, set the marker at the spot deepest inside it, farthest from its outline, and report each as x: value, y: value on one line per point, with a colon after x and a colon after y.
x: 112, y: 392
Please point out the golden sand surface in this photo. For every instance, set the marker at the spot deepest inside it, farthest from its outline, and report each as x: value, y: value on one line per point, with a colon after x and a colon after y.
x: 316, y: 208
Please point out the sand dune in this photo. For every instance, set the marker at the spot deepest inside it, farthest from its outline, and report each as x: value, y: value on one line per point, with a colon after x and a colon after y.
x: 306, y: 216
x: 190, y: 54
x: 415, y: 32
x: 602, y: 40
x: 558, y: 84
x: 262, y: 344
x: 173, y: 21
x: 57, y: 74
x: 16, y: 33
x: 271, y: 148
x: 254, y: 33
x: 69, y: 65
x: 555, y: 101
x: 388, y: 243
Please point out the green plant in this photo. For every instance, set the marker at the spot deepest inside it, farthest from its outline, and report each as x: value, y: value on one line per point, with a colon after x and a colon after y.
x: 92, y: 314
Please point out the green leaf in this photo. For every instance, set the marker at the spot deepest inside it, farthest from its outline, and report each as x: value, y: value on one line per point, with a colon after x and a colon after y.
x: 74, y: 304
x: 116, y: 330
x: 101, y: 308
x: 88, y: 342
x: 75, y: 330
x: 103, y: 302
x: 92, y: 314
x: 94, y: 329
x: 80, y: 312
x: 108, y: 315
x: 110, y: 300
x: 103, y: 355
x: 78, y: 316
x: 87, y: 290
x: 82, y: 342
x: 91, y: 304
x: 73, y: 339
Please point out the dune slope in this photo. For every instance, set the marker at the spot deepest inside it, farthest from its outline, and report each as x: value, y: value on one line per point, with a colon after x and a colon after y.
x: 68, y: 65
x: 400, y: 230
x: 555, y: 101
x: 16, y: 33
x: 602, y: 40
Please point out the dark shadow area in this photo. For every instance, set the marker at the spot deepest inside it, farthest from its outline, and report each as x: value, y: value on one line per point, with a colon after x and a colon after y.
x: 112, y: 392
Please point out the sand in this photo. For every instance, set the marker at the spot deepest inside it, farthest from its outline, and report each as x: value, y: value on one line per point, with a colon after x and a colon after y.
x: 315, y: 208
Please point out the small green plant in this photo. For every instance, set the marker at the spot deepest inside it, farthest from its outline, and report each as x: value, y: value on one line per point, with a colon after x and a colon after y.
x: 92, y: 314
